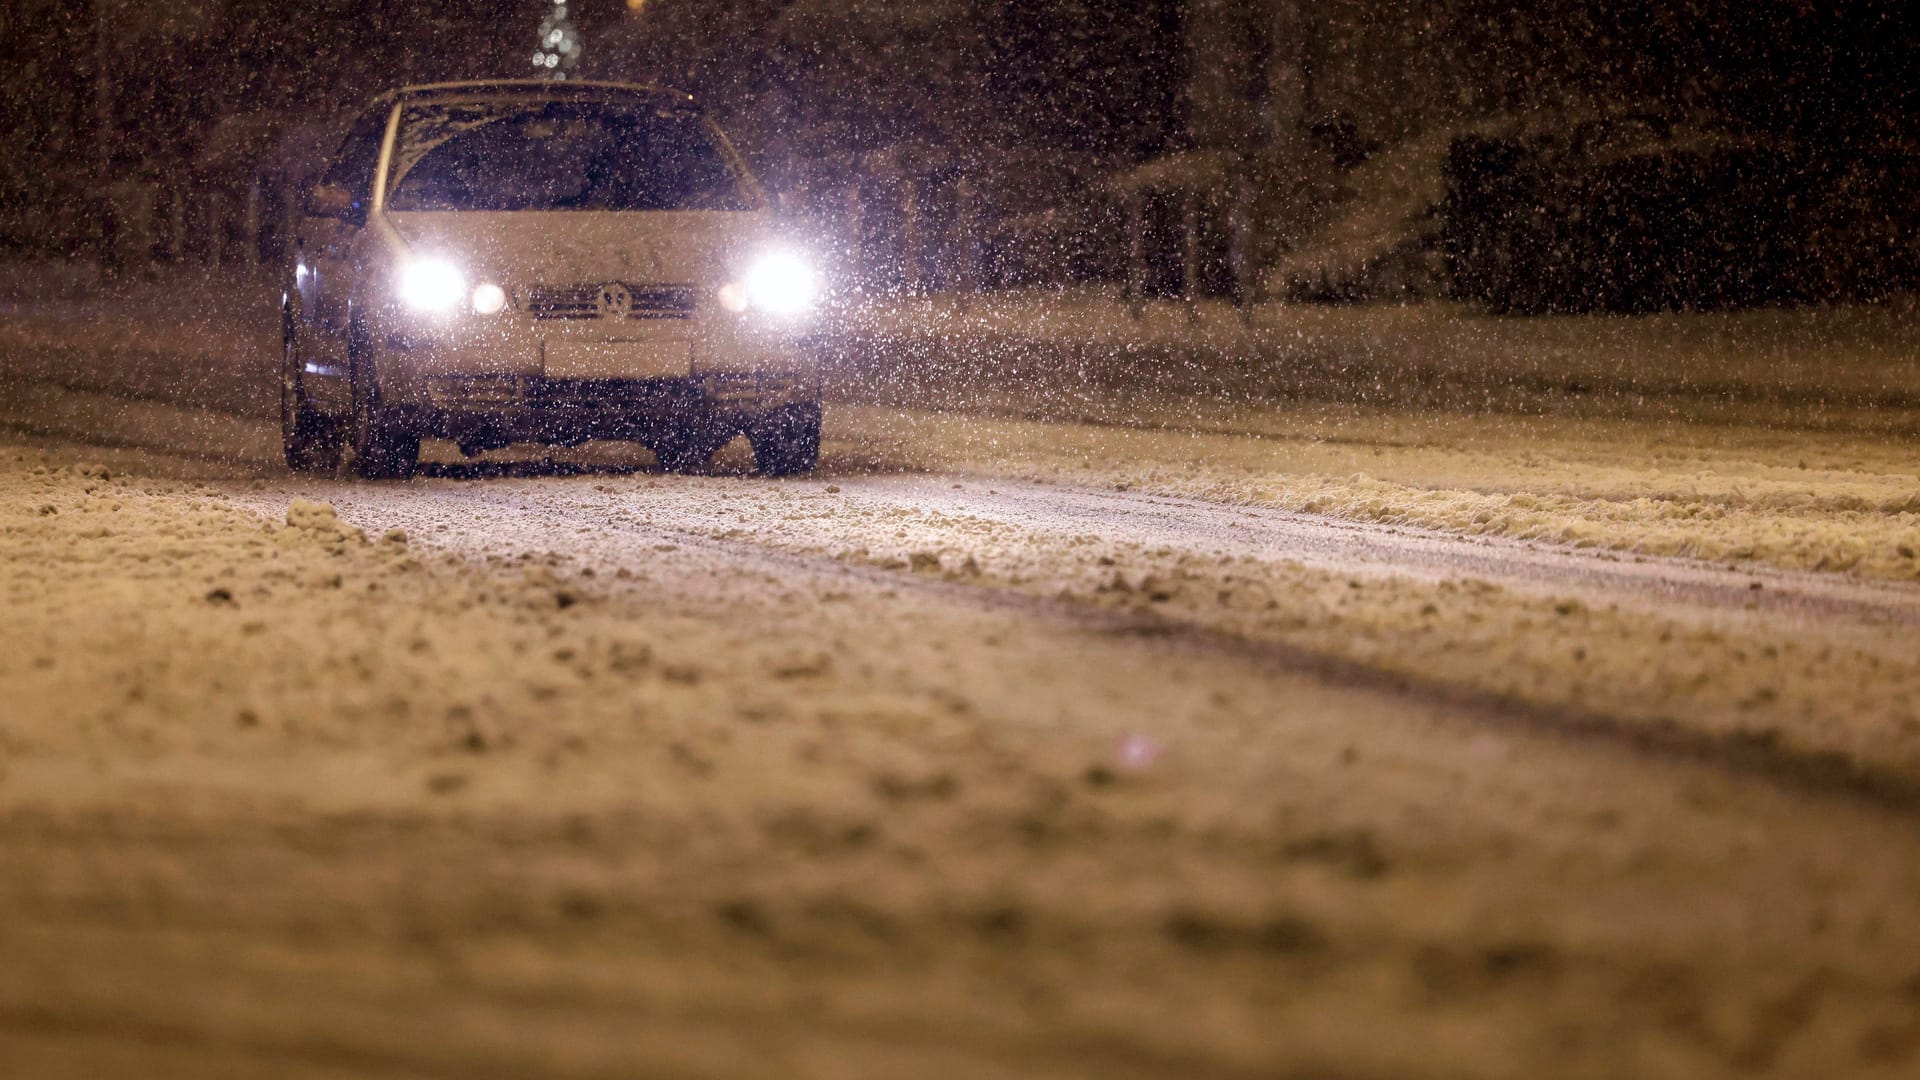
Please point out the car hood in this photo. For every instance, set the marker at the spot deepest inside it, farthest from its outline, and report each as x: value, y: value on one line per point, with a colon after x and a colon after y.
x: 567, y: 247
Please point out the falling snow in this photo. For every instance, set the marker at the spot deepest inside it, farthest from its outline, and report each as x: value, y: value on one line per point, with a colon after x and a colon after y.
x: 1347, y: 540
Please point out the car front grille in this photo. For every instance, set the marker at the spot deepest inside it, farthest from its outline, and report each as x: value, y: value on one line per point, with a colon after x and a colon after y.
x: 601, y: 300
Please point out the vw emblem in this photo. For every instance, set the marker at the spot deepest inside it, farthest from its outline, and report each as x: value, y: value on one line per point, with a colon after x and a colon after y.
x: 614, y: 301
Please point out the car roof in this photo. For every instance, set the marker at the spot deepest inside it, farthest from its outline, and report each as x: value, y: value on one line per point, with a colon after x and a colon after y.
x: 535, y: 88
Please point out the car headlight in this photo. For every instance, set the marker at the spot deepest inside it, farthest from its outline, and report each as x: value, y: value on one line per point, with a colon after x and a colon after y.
x: 432, y: 285
x: 780, y: 284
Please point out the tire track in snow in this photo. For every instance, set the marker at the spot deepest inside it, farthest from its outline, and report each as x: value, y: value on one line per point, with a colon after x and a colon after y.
x: 1659, y: 585
x: 1410, y: 551
x: 561, y: 522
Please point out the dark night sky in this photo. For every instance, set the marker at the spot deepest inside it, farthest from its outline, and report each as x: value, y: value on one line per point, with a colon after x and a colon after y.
x: 1064, y: 73
x: 1830, y: 72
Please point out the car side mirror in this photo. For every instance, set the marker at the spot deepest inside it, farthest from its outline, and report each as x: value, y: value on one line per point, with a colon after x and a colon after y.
x: 331, y: 201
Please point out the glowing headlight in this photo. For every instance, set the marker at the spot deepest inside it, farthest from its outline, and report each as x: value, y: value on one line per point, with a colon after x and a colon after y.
x: 432, y: 285
x: 780, y: 284
x: 488, y: 298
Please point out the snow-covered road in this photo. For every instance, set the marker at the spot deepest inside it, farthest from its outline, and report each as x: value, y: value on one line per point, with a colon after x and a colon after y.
x: 976, y: 754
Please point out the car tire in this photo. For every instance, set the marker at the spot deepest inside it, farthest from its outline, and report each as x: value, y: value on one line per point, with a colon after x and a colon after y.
x: 786, y: 441
x: 684, y: 451
x: 383, y: 449
x: 310, y: 440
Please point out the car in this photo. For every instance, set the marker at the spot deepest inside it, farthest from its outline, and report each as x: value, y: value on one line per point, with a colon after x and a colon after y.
x: 539, y: 261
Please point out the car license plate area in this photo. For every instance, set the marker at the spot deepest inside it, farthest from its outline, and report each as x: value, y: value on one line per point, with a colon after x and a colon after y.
x: 566, y: 359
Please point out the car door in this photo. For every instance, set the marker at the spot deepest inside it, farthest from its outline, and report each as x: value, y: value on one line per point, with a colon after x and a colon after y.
x: 325, y: 242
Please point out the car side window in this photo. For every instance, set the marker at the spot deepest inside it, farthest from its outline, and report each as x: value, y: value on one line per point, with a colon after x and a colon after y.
x: 358, y: 156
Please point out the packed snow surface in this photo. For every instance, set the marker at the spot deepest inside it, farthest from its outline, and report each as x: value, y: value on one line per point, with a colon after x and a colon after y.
x: 1063, y: 724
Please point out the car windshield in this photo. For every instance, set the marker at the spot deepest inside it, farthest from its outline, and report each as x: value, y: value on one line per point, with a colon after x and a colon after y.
x: 560, y: 155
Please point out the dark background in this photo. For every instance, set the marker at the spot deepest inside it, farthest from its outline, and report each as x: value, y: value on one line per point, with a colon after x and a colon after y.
x: 1055, y: 112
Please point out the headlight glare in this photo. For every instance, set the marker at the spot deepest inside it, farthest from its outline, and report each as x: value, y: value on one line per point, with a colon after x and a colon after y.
x: 432, y: 285
x: 780, y: 284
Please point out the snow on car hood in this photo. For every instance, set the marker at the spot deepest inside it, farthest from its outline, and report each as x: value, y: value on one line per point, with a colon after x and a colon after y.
x: 563, y: 247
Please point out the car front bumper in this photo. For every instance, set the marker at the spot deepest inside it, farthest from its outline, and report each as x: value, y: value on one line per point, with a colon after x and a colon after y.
x: 492, y: 379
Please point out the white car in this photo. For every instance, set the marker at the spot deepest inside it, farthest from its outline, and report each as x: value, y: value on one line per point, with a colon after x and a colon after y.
x: 553, y: 262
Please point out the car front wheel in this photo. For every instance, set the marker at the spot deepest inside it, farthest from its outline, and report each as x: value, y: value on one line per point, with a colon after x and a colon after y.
x: 786, y: 442
x: 310, y: 440
x: 689, y: 451
x: 382, y: 448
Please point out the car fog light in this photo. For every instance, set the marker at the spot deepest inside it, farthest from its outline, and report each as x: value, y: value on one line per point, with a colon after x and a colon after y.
x: 488, y: 298
x: 733, y: 297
